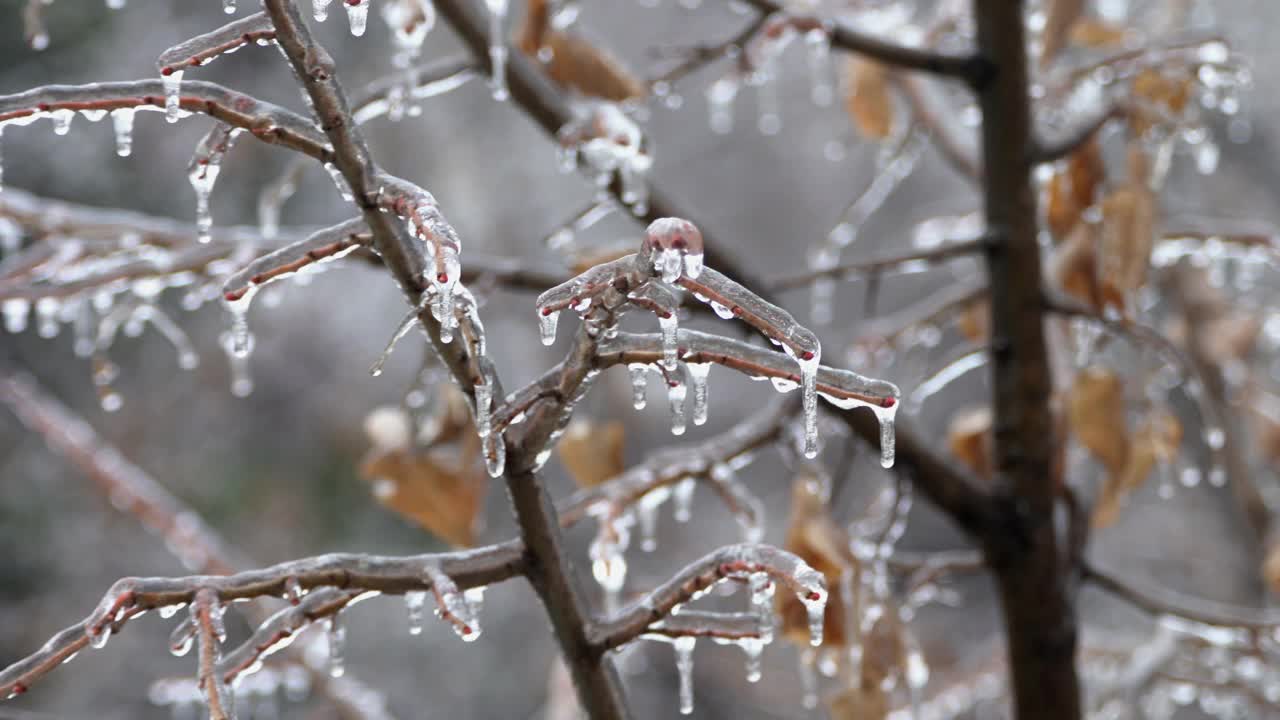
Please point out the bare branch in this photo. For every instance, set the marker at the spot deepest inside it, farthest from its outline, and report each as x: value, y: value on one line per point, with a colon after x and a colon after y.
x: 906, y: 263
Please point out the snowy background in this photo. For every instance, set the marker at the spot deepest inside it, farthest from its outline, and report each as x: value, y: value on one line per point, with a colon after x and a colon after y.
x: 275, y: 472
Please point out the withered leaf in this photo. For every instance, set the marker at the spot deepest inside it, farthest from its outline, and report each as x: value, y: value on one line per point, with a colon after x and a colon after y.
x: 592, y: 452
x: 867, y: 98
x: 969, y: 436
x: 1128, y: 233
x: 1060, y: 17
x: 1096, y: 413
x: 1096, y: 33
x: 1073, y: 189
x: 819, y: 541
x: 442, y: 494
x: 1073, y: 268
x: 572, y: 61
x: 974, y: 321
x: 1155, y: 441
x: 859, y: 703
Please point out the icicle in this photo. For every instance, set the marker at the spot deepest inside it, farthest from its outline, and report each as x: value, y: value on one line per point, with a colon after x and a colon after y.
x: 62, y: 121
x: 182, y: 637
x: 819, y: 44
x: 474, y: 598
x: 229, y: 7
x: 754, y: 648
x: 320, y: 9
x: 337, y: 634
x: 339, y: 181
x: 122, y: 120
x: 495, y: 455
x: 670, y: 325
x: 808, y: 678
x: 684, y: 666
x: 15, y: 312
x: 814, y: 598
x: 238, y: 356
x: 608, y: 564
x: 888, y: 437
x: 172, y: 96
x: 639, y: 384
x: 720, y: 96
x: 407, y: 324
x: 203, y: 171
x: 414, y: 602
x: 47, y: 317
x: 497, y: 49
x: 647, y: 518
x: 357, y: 15
x: 809, y: 361
x: 547, y: 325
x: 676, y: 393
x: 762, y: 589
x: 698, y: 373
x: 682, y: 499
x: 770, y: 120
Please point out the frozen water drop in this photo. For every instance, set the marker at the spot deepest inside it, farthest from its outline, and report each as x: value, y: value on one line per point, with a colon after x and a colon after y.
x: 172, y: 95
x: 414, y: 602
x: 676, y: 393
x: 684, y: 667
x: 547, y: 321
x: 698, y: 373
x: 122, y: 122
x: 357, y: 15
x: 320, y: 9
x: 337, y: 635
x: 682, y: 499
x: 639, y: 384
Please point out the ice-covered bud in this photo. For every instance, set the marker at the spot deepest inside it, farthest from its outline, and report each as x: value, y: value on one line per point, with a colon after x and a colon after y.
x: 673, y: 247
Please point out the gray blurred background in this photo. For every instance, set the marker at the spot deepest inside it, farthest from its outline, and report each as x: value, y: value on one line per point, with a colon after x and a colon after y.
x: 275, y: 472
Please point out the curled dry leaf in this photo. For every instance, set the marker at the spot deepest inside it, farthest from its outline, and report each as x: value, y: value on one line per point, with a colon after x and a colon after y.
x: 974, y: 321
x: 819, y: 541
x: 867, y: 98
x: 1128, y: 233
x: 1060, y: 17
x: 1096, y: 414
x: 1074, y: 188
x: 969, y: 436
x: 1073, y: 268
x: 1155, y: 441
x: 1271, y: 567
x: 431, y: 476
x: 440, y: 491
x: 572, y: 61
x: 859, y: 703
x: 592, y: 452
x: 1095, y: 33
x: 1157, y: 94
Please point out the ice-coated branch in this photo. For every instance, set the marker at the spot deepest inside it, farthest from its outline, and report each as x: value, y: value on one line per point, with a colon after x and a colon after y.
x: 130, y: 597
x: 199, y: 50
x: 670, y: 466
x: 279, y: 630
x: 1160, y: 602
x: 701, y: 623
x: 206, y: 617
x: 132, y: 490
x: 1052, y: 146
x: 911, y: 262
x: 970, y: 68
x: 696, y: 58
x: 736, y: 562
x: 269, y: 123
x: 387, y: 95
x: 324, y: 245
x: 128, y: 486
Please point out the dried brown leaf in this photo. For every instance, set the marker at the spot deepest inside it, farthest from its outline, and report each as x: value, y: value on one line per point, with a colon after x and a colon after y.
x: 1074, y: 188
x: 1128, y: 233
x: 1095, y: 33
x: 574, y: 62
x: 969, y: 436
x: 1073, y: 268
x: 440, y: 493
x: 1096, y: 413
x: 1155, y: 441
x: 868, y: 99
x: 974, y: 321
x: 1060, y: 17
x: 819, y: 541
x: 859, y: 703
x: 1271, y: 567
x: 592, y: 452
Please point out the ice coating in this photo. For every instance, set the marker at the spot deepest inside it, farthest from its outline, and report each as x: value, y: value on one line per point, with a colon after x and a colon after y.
x: 203, y: 171
x: 673, y: 247
x: 608, y: 143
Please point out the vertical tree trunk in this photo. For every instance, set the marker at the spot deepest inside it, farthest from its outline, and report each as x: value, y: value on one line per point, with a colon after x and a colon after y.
x: 1032, y: 570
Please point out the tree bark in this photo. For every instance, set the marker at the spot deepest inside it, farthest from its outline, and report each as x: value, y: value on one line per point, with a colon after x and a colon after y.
x: 1032, y: 569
